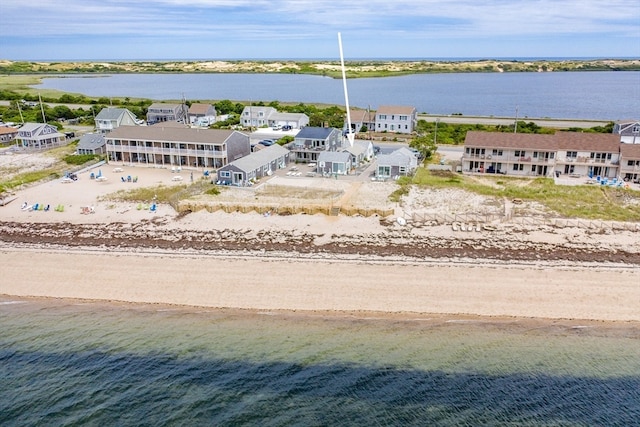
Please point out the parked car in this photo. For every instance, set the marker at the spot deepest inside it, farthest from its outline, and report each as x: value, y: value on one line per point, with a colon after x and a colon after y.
x: 287, y: 127
x: 267, y: 142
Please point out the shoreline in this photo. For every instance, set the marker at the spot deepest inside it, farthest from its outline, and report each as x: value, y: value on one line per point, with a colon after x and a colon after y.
x: 284, y: 285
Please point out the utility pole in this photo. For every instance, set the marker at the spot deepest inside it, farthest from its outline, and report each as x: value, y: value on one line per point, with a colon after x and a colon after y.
x: 435, y: 135
x: 44, y: 118
x: 515, y: 124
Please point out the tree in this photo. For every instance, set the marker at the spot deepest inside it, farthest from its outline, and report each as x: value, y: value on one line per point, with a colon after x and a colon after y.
x: 425, y: 145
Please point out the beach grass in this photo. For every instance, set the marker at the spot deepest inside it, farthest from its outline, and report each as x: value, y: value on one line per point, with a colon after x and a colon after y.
x: 580, y: 201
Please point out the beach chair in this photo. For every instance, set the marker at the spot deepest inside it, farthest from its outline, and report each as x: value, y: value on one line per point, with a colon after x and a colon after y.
x: 122, y: 179
x: 153, y: 208
x: 128, y: 178
x: 135, y: 179
x: 35, y: 207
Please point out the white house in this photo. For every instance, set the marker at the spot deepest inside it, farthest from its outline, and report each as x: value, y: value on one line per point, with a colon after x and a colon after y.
x: 397, y: 119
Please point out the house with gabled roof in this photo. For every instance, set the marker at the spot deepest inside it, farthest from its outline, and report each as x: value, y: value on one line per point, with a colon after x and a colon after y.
x: 361, y: 119
x: 8, y: 134
x: 176, y: 146
x: 164, y: 112
x: 91, y: 143
x: 256, y: 165
x: 334, y: 163
x: 39, y: 136
x: 630, y: 162
x: 629, y: 131
x: 256, y: 116
x: 311, y: 141
x: 110, y: 118
x: 400, y: 162
x: 202, y: 114
x: 397, y: 119
x: 361, y: 152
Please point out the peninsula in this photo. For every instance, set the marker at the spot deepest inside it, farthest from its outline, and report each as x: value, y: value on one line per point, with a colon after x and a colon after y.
x: 354, y: 68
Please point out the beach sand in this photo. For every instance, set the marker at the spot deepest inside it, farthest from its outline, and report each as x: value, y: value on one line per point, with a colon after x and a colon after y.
x: 310, y: 263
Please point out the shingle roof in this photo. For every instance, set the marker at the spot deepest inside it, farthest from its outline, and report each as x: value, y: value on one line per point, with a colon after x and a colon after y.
x: 510, y: 140
x: 260, y: 158
x: 110, y: 113
x: 313, y: 132
x: 199, y: 108
x: 334, y: 156
x: 395, y: 109
x: 607, y: 142
x: 91, y: 141
x: 629, y: 151
x: 172, y: 134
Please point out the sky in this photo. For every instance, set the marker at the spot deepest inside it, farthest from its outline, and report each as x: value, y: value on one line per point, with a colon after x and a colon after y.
x: 66, y: 30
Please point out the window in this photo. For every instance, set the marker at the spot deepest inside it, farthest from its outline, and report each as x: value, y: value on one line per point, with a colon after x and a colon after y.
x: 535, y: 154
x: 630, y: 162
x: 404, y: 118
x: 383, y: 117
x: 496, y: 152
x: 225, y: 174
x: 533, y: 168
x: 519, y: 153
x: 572, y: 154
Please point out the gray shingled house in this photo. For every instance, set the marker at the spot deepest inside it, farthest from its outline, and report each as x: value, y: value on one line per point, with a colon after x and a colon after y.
x: 334, y: 163
x: 92, y: 143
x: 400, y: 162
x: 256, y: 165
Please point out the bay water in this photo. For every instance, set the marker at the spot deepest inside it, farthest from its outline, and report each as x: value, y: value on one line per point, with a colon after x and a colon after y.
x: 67, y: 362
x: 592, y: 95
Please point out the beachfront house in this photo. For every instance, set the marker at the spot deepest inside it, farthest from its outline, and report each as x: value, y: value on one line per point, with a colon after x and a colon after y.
x: 361, y: 152
x: 630, y: 162
x: 202, y: 114
x: 39, y: 136
x: 161, y: 112
x: 92, y: 143
x: 516, y: 154
x: 311, y: 141
x: 576, y: 154
x: 629, y: 131
x: 588, y: 154
x: 334, y: 163
x: 398, y: 119
x: 400, y: 162
x: 244, y: 171
x: 176, y: 146
x: 111, y: 118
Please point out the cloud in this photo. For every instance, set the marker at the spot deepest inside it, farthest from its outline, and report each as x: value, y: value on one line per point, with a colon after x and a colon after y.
x: 380, y: 22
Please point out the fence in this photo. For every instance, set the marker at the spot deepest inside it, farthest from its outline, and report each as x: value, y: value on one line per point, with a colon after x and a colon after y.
x: 523, y: 220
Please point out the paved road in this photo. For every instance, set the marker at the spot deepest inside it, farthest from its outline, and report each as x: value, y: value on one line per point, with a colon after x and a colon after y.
x: 485, y: 120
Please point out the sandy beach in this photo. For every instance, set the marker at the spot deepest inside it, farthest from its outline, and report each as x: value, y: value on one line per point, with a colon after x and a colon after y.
x: 311, y: 262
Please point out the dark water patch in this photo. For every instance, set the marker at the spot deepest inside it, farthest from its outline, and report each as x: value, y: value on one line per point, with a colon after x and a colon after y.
x: 104, y: 388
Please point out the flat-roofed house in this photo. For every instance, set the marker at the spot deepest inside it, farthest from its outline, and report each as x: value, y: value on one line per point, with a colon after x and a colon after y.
x: 202, y: 114
x: 628, y: 130
x: 176, y: 146
x: 588, y: 154
x: 516, y: 154
x: 400, y: 162
x: 398, y: 119
x: 630, y: 162
x: 311, y: 141
x: 256, y: 165
x: 162, y: 112
x: 39, y: 136
x: 334, y: 163
x: 110, y: 118
x: 92, y: 143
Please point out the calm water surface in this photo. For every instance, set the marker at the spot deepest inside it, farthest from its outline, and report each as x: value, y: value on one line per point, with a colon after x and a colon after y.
x: 74, y: 363
x: 594, y: 95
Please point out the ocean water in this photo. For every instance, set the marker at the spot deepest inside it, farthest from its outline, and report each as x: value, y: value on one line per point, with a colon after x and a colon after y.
x: 606, y: 95
x: 66, y: 362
